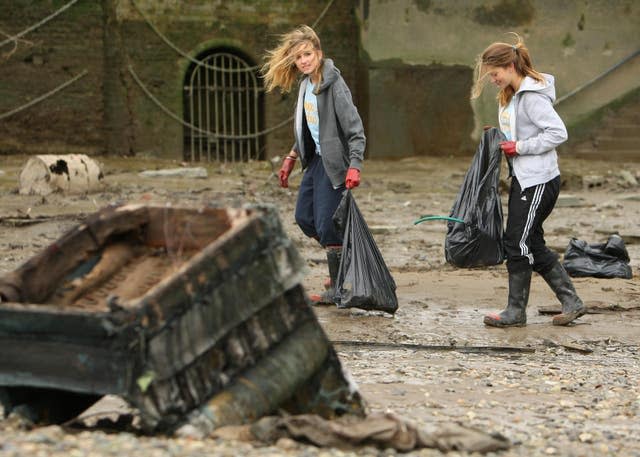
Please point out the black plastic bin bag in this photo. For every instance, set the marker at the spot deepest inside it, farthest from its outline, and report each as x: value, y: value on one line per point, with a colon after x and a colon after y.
x: 364, y: 281
x: 478, y: 241
x: 606, y: 260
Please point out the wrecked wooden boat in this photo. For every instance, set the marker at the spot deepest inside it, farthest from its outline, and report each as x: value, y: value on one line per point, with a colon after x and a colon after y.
x: 188, y: 314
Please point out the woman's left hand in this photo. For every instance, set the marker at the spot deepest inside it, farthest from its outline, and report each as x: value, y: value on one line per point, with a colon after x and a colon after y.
x: 509, y: 148
x: 353, y: 178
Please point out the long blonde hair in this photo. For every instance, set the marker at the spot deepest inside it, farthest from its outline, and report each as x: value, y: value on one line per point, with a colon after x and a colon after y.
x: 280, y: 69
x: 503, y: 55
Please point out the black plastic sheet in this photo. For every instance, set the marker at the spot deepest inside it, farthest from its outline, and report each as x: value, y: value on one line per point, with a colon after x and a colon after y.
x: 364, y: 281
x: 605, y: 260
x: 478, y: 241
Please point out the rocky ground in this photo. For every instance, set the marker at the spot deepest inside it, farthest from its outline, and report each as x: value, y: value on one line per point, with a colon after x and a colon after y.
x: 571, y: 391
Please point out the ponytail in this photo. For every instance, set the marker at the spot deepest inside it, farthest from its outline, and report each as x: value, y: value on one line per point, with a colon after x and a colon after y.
x: 503, y: 55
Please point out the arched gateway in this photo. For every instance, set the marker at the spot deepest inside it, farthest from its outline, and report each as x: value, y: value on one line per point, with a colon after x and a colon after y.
x: 223, y: 105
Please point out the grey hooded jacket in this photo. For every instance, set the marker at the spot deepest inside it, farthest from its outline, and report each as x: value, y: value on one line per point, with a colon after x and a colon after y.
x: 538, y: 131
x: 342, y: 139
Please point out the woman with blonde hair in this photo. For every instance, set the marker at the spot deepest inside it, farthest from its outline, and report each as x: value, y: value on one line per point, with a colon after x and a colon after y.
x: 329, y: 138
x: 533, y: 130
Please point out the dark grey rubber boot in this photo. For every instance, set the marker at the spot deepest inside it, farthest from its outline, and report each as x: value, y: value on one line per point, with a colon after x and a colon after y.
x: 334, y: 256
x: 515, y: 314
x: 561, y: 284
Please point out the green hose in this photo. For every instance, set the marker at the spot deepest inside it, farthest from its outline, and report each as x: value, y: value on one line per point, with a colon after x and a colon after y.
x: 430, y: 217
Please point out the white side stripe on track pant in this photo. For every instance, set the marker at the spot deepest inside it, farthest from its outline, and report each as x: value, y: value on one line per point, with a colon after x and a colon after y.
x: 537, y: 197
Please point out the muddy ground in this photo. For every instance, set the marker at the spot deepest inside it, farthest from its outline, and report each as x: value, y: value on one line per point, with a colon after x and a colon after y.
x: 571, y: 391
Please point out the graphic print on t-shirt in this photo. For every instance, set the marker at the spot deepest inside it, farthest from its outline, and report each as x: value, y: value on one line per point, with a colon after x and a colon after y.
x: 311, y: 114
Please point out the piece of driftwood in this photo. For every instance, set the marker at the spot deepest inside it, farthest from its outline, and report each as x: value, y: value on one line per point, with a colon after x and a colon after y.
x: 27, y: 220
x: 593, y: 307
x: 175, y: 310
x: 379, y: 345
x: 575, y: 347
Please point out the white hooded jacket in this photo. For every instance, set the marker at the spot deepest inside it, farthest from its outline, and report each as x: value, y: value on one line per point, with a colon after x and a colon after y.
x: 538, y: 131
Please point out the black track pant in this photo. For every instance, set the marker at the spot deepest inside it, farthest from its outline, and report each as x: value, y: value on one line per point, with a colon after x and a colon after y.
x: 524, y: 237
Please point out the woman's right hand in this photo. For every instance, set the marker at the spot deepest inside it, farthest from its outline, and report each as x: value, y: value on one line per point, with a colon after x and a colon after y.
x: 285, y: 170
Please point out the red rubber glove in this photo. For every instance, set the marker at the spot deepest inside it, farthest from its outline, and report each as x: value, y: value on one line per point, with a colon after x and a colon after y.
x: 287, y: 166
x: 353, y: 178
x: 509, y: 148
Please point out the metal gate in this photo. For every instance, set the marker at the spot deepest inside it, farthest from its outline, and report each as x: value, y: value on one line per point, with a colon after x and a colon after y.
x: 222, y: 110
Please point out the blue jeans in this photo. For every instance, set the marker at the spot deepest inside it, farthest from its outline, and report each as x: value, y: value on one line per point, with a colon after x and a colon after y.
x: 317, y: 201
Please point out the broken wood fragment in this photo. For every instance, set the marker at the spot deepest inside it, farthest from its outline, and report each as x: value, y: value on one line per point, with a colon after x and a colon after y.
x: 593, y: 307
x: 434, y: 347
x: 174, y: 310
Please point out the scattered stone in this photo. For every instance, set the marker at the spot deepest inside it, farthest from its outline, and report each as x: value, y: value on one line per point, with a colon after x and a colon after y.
x: 382, y: 229
x: 399, y: 187
x: 586, y: 437
x: 628, y: 237
x: 610, y: 204
x: 287, y: 444
x: 189, y: 431
x: 628, y: 180
x: 234, y: 433
x: 569, y: 346
x: 195, y: 172
x: 568, y: 200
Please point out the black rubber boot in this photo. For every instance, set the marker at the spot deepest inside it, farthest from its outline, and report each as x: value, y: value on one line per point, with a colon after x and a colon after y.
x: 334, y: 256
x: 561, y: 284
x: 515, y: 314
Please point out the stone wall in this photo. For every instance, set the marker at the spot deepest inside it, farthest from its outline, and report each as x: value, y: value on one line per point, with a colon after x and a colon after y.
x: 575, y: 40
x: 418, y: 110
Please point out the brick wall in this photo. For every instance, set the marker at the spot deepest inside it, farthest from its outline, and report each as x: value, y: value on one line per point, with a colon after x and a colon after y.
x: 73, y: 120
x: 49, y: 56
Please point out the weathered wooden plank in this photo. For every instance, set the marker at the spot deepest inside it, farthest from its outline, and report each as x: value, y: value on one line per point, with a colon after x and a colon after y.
x: 182, y: 229
x: 36, y: 279
x: 48, y: 321
x: 232, y: 353
x: 261, y: 388
x: 111, y: 260
x: 327, y: 393
x: 210, y: 317
x: 65, y: 366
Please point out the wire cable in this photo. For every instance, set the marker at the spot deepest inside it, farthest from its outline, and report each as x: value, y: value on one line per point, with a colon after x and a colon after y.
x: 38, y: 24
x: 44, y: 96
x: 597, y: 78
x: 196, y: 128
x: 200, y: 62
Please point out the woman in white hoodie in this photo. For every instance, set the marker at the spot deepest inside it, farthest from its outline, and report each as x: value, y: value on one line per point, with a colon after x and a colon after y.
x: 533, y: 130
